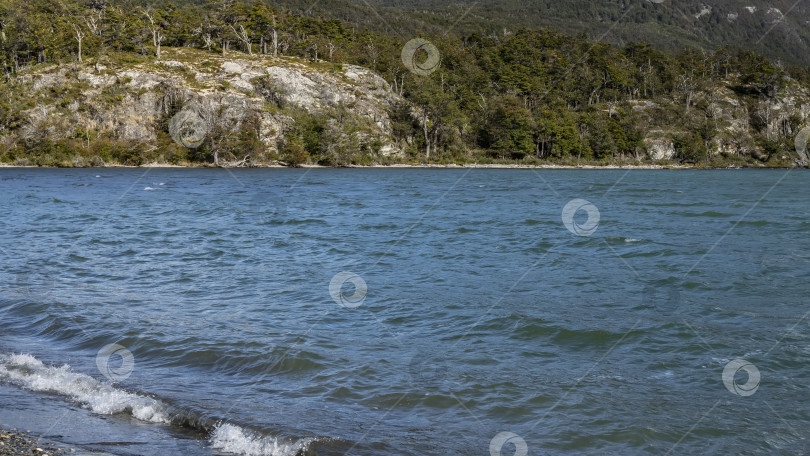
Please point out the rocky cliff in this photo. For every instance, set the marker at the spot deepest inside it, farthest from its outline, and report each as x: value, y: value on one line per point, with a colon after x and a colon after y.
x: 202, y: 100
x: 748, y: 124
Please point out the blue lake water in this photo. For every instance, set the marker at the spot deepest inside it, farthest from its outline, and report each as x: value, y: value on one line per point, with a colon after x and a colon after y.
x: 411, y: 312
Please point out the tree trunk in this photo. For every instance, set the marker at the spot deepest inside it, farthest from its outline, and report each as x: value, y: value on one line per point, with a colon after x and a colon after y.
x: 427, y: 136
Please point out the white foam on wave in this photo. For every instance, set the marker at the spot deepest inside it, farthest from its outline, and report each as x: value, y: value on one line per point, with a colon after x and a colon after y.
x: 233, y: 439
x: 28, y: 372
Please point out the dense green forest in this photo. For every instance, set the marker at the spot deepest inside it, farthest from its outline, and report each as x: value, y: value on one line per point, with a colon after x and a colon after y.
x: 526, y: 95
x: 774, y: 28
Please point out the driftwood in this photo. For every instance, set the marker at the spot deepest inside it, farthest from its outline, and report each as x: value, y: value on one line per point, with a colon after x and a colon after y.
x: 243, y: 163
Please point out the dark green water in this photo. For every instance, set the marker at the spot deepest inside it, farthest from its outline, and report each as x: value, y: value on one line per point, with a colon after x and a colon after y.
x: 414, y: 312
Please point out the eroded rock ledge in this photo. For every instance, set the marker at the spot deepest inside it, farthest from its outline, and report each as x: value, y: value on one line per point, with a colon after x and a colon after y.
x: 135, y: 102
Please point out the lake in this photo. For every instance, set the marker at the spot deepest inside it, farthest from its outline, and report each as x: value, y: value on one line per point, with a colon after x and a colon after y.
x: 407, y: 311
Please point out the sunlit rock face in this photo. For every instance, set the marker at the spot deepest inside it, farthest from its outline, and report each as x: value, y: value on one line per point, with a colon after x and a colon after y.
x: 134, y: 102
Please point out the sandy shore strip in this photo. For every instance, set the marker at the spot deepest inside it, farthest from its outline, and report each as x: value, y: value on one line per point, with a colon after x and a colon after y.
x: 639, y: 166
x: 19, y: 443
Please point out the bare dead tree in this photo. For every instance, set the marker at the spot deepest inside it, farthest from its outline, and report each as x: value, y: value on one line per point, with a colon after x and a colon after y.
x: 275, y: 38
x: 399, y: 79
x: 373, y: 53
x: 155, y: 28
x: 79, y: 35
x: 242, y: 34
x: 687, y: 86
x: 611, y: 106
x: 93, y: 20
x: 426, y: 130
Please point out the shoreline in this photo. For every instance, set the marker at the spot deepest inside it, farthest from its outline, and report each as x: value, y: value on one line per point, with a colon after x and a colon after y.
x: 61, y: 426
x: 414, y: 166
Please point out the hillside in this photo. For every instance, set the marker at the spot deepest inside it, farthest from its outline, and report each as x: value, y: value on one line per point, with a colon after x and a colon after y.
x: 776, y: 29
x: 250, y: 84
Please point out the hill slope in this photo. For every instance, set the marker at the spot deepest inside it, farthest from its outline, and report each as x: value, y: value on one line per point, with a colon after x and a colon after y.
x: 777, y: 29
x: 528, y: 96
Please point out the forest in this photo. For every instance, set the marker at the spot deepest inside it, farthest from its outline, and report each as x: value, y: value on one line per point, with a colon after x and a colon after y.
x: 775, y: 28
x: 528, y: 95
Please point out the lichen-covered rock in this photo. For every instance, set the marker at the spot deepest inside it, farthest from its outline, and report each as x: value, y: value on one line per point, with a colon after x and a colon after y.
x: 136, y: 102
x: 739, y: 118
x: 659, y: 149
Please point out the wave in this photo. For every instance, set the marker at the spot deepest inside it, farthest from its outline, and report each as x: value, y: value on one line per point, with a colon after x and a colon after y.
x: 622, y: 240
x: 233, y: 439
x: 28, y: 372
x: 45, y: 318
x: 32, y: 374
x: 537, y: 327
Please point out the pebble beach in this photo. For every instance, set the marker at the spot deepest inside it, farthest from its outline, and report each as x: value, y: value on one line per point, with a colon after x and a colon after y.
x: 18, y: 443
